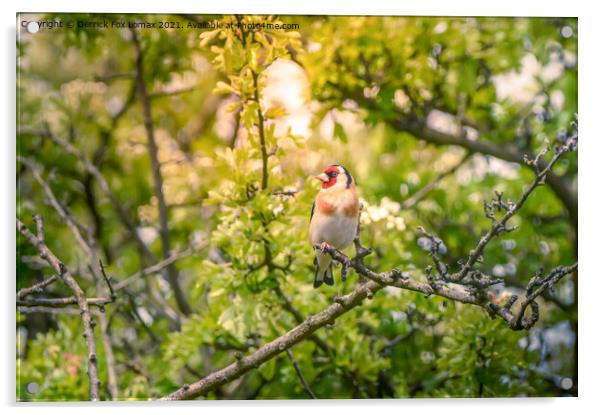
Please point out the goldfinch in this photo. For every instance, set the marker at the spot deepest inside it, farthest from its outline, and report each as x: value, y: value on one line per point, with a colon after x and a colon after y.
x: 334, y: 218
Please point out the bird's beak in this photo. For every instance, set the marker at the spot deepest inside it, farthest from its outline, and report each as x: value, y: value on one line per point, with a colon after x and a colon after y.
x: 322, y: 177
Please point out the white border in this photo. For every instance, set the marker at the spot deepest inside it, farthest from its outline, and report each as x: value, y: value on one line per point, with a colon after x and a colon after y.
x: 590, y: 152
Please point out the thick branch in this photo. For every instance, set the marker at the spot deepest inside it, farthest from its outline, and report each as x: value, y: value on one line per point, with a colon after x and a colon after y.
x: 277, y: 346
x: 418, y: 128
x: 473, y: 293
x: 304, y: 330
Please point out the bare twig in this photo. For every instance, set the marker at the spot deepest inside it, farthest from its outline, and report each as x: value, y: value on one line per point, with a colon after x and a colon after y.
x: 111, y: 77
x: 535, y: 288
x: 300, y: 375
x: 500, y: 226
x: 420, y: 194
x: 87, y: 247
x: 162, y: 94
x: 36, y: 288
x: 153, y: 268
x: 104, y: 185
x: 112, y: 381
x: 433, y: 249
x: 53, y: 310
x: 509, y: 152
x: 558, y: 184
x: 63, y: 302
x: 153, y: 150
x: 81, y: 299
x: 107, y: 280
x: 69, y: 220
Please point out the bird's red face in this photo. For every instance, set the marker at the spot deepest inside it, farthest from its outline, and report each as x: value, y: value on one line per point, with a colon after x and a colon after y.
x: 329, y: 177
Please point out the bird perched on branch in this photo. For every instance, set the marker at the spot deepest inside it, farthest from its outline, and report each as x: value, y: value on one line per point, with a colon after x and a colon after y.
x: 334, y: 218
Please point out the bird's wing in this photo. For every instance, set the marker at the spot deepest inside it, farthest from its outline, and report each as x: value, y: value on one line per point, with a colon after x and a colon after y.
x: 313, y: 207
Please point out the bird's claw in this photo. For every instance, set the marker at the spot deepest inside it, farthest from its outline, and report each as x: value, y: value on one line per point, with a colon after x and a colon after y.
x: 324, y: 247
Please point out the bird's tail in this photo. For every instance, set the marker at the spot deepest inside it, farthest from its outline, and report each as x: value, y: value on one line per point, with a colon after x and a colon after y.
x: 323, y: 272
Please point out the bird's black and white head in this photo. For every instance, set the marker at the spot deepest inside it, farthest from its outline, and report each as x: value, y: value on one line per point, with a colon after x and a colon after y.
x: 335, y: 177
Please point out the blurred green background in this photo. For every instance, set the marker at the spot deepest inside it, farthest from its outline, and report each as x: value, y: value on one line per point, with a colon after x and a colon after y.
x: 400, y: 101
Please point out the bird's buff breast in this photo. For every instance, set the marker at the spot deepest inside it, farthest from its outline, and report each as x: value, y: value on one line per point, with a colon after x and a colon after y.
x: 335, y: 226
x: 337, y: 230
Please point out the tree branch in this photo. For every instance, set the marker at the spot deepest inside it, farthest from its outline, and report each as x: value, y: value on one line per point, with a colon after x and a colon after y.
x: 36, y: 288
x: 420, y: 194
x: 507, y: 152
x: 153, y: 150
x: 69, y: 220
x: 53, y: 310
x: 277, y: 346
x: 300, y: 375
x: 62, y: 302
x: 87, y: 247
x: 499, y: 226
x: 123, y: 215
x: 262, y: 144
x: 153, y: 268
x: 453, y: 287
x: 81, y: 300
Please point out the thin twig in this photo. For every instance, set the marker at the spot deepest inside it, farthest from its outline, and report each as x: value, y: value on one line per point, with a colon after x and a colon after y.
x: 112, y: 381
x: 107, y: 280
x: 153, y: 269
x: 542, y: 284
x: 260, y: 125
x: 420, y: 194
x: 82, y: 302
x: 63, y: 302
x: 36, y: 288
x: 87, y: 247
x: 153, y: 150
x: 53, y: 310
x: 560, y: 185
x: 499, y: 226
x: 122, y: 213
x: 69, y: 220
x: 300, y: 375
x: 162, y: 94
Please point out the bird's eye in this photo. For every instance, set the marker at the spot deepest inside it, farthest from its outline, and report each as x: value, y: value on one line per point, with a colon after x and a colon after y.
x: 332, y: 174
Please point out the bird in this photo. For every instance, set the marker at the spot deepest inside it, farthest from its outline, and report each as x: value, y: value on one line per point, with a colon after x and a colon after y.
x: 334, y: 219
